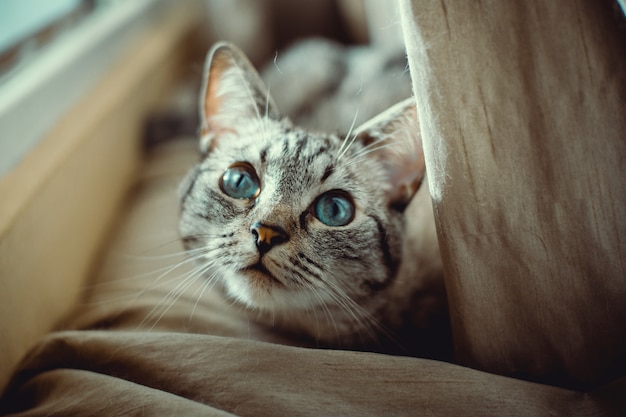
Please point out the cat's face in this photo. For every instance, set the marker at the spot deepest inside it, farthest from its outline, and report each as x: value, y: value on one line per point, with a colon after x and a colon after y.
x: 291, y: 221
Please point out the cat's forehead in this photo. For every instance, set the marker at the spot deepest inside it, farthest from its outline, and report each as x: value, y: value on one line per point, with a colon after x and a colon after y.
x: 281, y: 150
x: 294, y: 162
x: 280, y: 142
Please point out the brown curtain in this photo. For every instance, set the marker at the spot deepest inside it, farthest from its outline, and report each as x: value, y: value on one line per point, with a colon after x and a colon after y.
x: 522, y: 108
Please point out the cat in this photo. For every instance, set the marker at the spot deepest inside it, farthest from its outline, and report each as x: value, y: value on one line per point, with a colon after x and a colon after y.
x: 326, y: 236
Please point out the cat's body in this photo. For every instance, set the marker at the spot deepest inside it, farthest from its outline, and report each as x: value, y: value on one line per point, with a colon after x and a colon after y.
x: 323, y: 85
x: 321, y: 235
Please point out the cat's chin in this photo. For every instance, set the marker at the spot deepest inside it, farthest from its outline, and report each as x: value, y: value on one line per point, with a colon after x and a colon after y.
x: 256, y: 288
x: 259, y: 275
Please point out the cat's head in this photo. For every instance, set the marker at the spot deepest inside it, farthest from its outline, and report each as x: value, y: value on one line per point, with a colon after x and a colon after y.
x: 292, y: 221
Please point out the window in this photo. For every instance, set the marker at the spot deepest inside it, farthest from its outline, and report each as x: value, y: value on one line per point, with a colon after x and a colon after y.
x: 51, y: 53
x: 25, y: 25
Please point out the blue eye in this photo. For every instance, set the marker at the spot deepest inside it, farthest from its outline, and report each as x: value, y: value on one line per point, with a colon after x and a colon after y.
x: 240, y: 181
x: 334, y: 208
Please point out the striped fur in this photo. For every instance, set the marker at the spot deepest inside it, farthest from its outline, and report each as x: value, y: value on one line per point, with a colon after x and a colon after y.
x: 340, y: 286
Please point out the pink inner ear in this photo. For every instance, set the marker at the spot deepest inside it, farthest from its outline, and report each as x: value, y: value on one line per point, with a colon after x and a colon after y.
x: 212, y: 106
x: 232, y: 92
x: 212, y: 128
x: 212, y: 101
x: 406, y: 178
x: 402, y: 155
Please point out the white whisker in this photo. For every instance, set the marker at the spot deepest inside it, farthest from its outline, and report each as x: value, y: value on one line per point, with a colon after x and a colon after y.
x: 174, y: 294
x: 363, y: 153
x: 267, y: 101
x: 346, y: 144
x: 164, y: 271
x: 276, y: 63
x: 207, y: 284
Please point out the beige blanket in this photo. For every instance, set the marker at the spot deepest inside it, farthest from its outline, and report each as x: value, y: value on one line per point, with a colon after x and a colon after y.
x: 522, y: 112
x: 110, y: 373
x: 148, y: 345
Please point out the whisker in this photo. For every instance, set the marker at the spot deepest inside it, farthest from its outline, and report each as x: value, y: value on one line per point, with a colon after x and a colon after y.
x: 244, y: 83
x: 135, y: 296
x: 377, y: 144
x: 345, y: 145
x: 276, y: 64
x: 208, y: 284
x: 174, y: 294
x: 160, y: 257
x: 372, y: 325
x: 361, y: 156
x: 163, y: 244
x: 340, y: 299
x: 126, y: 295
x: 115, y: 286
x: 137, y: 278
x: 167, y: 303
x: 360, y: 90
x: 330, y: 318
x: 267, y: 97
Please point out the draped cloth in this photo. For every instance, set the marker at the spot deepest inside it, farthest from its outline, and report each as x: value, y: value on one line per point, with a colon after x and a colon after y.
x: 521, y: 108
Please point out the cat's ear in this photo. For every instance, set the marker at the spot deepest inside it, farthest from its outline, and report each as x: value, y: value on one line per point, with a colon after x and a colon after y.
x: 394, y: 138
x: 232, y: 92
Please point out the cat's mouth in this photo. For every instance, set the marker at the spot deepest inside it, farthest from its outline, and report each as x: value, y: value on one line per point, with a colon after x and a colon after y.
x: 259, y: 268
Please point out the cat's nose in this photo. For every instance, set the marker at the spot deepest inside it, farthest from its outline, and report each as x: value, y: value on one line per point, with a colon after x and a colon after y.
x: 266, y: 236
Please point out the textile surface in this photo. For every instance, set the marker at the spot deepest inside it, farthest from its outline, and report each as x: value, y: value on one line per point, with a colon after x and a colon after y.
x: 524, y: 142
x: 142, y: 345
x: 522, y: 113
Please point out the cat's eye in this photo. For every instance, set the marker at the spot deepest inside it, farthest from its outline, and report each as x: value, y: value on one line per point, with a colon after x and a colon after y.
x: 334, y: 208
x: 240, y: 181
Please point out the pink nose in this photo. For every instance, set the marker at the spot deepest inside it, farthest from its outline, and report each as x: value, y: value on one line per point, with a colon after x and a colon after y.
x: 266, y: 236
